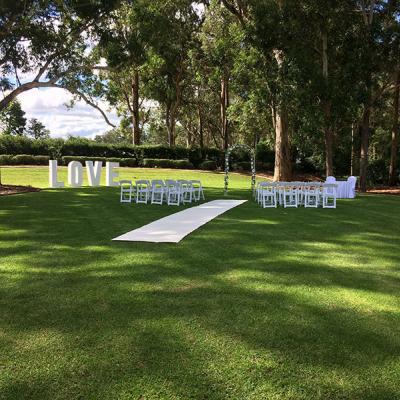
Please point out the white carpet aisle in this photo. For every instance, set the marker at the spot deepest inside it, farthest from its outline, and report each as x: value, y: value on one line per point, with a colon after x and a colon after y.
x: 175, y: 227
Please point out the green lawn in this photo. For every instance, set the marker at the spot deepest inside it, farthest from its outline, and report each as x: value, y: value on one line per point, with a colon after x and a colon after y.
x: 257, y: 304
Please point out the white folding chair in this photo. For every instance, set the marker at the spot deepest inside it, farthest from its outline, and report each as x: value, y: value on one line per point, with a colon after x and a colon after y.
x: 290, y: 197
x: 173, y: 190
x: 186, y: 189
x: 268, y: 195
x: 351, y: 187
x: 142, y: 191
x: 198, y: 192
x: 330, y: 179
x: 329, y: 195
x: 311, y: 195
x: 157, y: 191
x: 126, y: 191
x: 257, y: 194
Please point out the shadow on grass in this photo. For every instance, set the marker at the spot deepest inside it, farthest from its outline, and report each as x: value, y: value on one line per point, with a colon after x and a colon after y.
x: 256, y: 304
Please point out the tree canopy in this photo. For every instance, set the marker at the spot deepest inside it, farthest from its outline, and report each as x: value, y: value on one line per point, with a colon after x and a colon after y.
x: 316, y: 81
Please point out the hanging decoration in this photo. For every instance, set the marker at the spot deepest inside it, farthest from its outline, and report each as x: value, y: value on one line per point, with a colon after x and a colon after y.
x: 252, y: 165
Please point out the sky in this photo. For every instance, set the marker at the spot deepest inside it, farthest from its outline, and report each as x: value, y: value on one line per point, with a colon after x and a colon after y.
x: 48, y: 106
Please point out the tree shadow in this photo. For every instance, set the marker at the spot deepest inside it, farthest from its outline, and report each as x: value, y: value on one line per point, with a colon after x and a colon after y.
x: 258, y: 303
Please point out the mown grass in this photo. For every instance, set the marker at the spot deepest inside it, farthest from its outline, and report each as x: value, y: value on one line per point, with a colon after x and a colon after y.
x: 257, y: 304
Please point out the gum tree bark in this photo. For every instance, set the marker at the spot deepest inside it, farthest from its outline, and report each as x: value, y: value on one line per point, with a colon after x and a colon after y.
x: 136, y: 132
x: 282, y: 168
x: 395, y: 133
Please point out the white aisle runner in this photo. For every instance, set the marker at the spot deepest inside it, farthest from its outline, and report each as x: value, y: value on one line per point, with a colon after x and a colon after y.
x: 175, y: 227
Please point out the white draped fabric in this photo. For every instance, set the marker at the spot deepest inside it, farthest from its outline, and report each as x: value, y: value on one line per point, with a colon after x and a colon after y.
x: 345, y: 189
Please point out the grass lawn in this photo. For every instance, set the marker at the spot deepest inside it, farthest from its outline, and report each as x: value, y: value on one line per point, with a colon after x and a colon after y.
x: 257, y: 304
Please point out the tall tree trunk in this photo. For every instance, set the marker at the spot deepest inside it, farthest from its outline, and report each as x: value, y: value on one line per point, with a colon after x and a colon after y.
x: 354, y: 129
x: 282, y: 168
x: 135, y: 109
x: 328, y: 140
x: 201, y: 133
x: 395, y: 133
x: 170, y: 122
x: 327, y: 108
x: 365, y: 132
x: 189, y: 136
x: 224, y: 103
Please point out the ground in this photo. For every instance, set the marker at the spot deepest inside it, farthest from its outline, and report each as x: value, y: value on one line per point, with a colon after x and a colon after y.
x: 257, y: 304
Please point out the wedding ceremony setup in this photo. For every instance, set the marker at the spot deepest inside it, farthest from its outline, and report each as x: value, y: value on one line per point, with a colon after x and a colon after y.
x: 158, y: 191
x: 199, y: 200
x: 307, y: 194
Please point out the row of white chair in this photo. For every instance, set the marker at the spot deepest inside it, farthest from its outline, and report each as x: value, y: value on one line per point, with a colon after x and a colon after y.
x: 173, y: 192
x: 295, y: 194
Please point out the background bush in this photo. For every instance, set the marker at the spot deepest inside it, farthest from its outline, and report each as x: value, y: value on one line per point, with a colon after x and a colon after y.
x: 123, y: 162
x: 208, y: 165
x: 165, y: 163
x: 81, y: 148
x: 378, y: 171
x: 23, y: 159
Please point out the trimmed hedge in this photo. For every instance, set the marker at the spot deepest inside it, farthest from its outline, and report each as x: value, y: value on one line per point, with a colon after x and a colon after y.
x: 23, y: 159
x: 208, y: 165
x: 165, y: 163
x: 85, y: 149
x: 81, y: 147
x: 123, y: 162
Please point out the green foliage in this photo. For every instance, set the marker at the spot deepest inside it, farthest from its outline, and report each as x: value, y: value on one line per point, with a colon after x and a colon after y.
x: 12, y: 119
x: 378, y: 171
x: 37, y: 130
x: 23, y: 159
x: 166, y: 163
x: 208, y: 165
x: 81, y: 147
x: 123, y: 162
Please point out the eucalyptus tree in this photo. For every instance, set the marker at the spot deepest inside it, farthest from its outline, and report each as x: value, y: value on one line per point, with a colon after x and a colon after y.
x: 173, y: 26
x: 221, y: 37
x: 125, y: 44
x: 265, y: 25
x: 377, y: 45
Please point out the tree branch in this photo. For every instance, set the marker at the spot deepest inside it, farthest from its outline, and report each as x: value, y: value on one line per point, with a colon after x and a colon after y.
x: 51, y: 83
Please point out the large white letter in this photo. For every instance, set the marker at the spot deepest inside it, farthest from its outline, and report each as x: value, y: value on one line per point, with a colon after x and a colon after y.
x: 75, y: 171
x: 93, y: 173
x: 111, y: 174
x: 53, y: 182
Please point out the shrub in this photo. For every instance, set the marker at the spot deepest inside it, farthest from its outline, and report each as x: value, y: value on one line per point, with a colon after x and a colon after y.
x: 195, y: 156
x: 242, y: 166
x: 82, y: 147
x: 264, y: 166
x: 128, y: 162
x: 165, y: 163
x: 214, y: 154
x: 264, y: 153
x: 305, y: 165
x: 209, y: 165
x: 27, y: 159
x: 6, y: 159
x: 123, y: 162
x: 378, y: 171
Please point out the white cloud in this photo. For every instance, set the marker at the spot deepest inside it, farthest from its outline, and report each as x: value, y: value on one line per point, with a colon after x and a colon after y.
x: 48, y: 106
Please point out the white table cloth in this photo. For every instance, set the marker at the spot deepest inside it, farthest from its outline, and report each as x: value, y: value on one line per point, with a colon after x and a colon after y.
x: 343, y: 189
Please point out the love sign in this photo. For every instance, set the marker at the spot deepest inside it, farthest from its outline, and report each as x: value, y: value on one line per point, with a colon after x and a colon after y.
x: 75, y: 173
